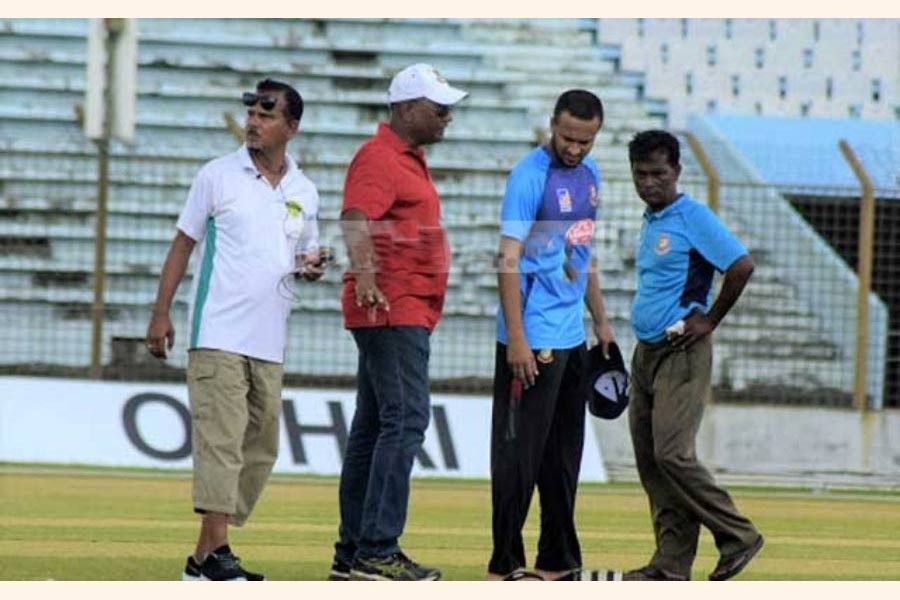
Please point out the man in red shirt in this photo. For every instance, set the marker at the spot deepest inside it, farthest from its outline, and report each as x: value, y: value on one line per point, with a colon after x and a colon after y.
x: 392, y: 300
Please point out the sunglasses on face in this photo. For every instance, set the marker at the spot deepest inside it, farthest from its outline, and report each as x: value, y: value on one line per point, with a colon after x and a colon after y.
x: 266, y: 102
x: 440, y: 110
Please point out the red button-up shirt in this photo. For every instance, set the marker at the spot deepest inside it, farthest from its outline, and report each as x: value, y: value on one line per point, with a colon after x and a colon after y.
x: 389, y: 182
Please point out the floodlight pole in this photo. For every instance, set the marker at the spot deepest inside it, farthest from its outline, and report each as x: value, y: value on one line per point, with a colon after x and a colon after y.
x: 113, y: 28
x: 863, y: 274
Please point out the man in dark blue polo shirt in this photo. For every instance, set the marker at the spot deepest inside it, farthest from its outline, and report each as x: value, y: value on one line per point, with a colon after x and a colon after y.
x: 682, y: 243
x: 546, y: 276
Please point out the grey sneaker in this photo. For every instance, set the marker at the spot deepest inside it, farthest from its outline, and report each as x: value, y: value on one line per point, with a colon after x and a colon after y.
x: 396, y: 567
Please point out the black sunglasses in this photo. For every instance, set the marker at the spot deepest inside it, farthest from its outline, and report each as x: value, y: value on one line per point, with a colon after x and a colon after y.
x: 440, y: 110
x: 266, y: 102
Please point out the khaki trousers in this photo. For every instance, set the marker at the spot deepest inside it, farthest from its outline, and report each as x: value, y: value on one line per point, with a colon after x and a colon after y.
x: 235, y: 407
x: 668, y: 391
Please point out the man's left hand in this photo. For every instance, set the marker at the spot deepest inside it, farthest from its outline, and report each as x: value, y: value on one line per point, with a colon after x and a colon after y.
x: 696, y: 327
x: 314, y: 263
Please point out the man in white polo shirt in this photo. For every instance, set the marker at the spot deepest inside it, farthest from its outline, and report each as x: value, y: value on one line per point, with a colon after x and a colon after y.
x: 252, y: 216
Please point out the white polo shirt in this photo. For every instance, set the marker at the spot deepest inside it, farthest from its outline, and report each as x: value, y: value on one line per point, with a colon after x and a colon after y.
x: 248, y: 235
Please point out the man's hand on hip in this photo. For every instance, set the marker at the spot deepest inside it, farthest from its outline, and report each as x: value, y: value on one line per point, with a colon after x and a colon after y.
x: 696, y: 327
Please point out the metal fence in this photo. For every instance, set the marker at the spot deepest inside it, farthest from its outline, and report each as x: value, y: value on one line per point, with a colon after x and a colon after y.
x: 791, y: 338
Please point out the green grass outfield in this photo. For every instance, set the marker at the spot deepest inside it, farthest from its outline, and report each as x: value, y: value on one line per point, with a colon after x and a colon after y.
x: 70, y: 524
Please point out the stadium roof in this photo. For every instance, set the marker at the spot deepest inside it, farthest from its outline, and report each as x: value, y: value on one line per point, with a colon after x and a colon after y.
x: 803, y: 152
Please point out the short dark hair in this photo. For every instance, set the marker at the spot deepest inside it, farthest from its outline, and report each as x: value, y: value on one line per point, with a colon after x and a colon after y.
x: 291, y: 96
x: 645, y: 143
x: 581, y: 104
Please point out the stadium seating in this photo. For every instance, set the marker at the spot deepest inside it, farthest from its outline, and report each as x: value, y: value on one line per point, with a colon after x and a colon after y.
x: 190, y: 74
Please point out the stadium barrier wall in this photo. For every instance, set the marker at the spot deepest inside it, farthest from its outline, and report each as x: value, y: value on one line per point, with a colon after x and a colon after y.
x: 781, y: 445
x: 64, y: 421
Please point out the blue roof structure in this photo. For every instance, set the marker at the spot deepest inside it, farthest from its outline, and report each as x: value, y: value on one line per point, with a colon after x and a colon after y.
x: 804, y: 152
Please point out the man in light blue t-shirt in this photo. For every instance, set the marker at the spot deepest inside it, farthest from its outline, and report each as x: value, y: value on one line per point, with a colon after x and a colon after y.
x: 681, y: 245
x: 546, y: 276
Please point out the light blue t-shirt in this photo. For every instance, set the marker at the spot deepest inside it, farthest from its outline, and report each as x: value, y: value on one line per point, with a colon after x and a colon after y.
x: 551, y: 209
x: 679, y: 249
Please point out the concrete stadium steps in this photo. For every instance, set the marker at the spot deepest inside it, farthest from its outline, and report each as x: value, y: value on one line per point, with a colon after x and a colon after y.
x: 181, y: 108
x: 285, y: 32
x: 167, y: 138
x: 157, y: 76
x: 327, y: 86
x: 163, y: 191
x: 558, y: 32
x: 476, y: 167
x: 735, y: 370
x: 469, y: 209
x: 31, y: 151
x: 544, y: 52
x: 63, y: 163
x: 191, y: 71
x: 186, y: 50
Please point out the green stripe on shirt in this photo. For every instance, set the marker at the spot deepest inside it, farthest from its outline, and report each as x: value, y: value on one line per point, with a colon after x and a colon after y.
x: 205, y: 275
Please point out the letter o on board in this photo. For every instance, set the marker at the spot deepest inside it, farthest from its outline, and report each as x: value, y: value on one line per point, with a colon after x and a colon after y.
x: 129, y: 420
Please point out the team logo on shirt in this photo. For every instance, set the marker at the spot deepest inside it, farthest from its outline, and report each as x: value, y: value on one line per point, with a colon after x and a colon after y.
x: 592, y: 196
x: 580, y: 233
x: 663, y: 244
x: 565, y: 200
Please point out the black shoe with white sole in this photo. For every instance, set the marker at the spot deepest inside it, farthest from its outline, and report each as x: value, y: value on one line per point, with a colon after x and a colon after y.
x: 220, y: 565
x: 340, y: 570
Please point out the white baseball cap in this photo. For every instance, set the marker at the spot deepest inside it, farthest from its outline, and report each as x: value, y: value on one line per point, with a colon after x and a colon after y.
x: 423, y: 81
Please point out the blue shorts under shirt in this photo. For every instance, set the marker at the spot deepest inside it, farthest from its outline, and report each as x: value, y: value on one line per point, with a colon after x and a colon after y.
x: 551, y: 209
x: 678, y: 250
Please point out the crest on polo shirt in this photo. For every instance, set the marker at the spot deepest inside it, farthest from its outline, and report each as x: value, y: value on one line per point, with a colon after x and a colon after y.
x: 663, y: 244
x: 565, y: 200
x: 593, y: 198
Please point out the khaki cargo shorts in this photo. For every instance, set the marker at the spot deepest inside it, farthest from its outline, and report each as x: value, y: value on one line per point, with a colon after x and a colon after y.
x: 235, y: 408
